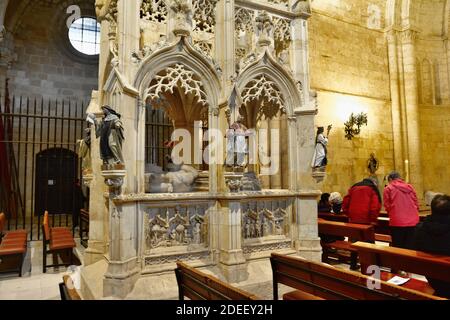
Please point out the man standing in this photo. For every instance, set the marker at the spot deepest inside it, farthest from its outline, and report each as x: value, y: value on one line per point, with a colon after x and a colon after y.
x: 362, y: 204
x: 400, y: 201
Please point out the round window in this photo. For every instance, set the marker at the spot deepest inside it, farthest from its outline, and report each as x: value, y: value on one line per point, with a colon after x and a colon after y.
x: 84, y: 35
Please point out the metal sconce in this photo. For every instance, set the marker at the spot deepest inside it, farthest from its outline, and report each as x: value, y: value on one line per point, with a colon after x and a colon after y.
x: 354, y: 124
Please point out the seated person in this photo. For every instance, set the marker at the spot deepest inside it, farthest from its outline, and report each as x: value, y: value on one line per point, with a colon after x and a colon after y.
x: 324, y: 204
x: 433, y: 236
x: 336, y: 202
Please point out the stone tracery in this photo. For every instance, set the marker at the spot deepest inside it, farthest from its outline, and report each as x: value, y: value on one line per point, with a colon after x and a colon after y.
x: 154, y: 10
x: 263, y: 89
x: 177, y: 76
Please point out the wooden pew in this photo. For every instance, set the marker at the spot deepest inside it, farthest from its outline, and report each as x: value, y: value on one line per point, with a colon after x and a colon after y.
x: 355, y: 232
x: 418, y: 262
x: 13, y: 248
x: 382, y: 231
x: 67, y: 289
x: 333, y: 217
x: 315, y: 281
x: 197, y: 285
x: 56, y: 241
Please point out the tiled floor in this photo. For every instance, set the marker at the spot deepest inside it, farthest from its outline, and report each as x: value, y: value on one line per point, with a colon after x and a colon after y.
x: 35, y: 285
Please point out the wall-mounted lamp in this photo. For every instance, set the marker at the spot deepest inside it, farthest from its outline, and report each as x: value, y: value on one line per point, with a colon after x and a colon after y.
x: 354, y: 124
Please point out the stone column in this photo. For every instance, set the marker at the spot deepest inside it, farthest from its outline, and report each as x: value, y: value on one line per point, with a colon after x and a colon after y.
x: 412, y: 110
x: 302, y: 139
x: 225, y: 53
x: 275, y: 179
x: 396, y: 101
x: 284, y: 150
x: 7, y: 58
x: 232, y: 261
x: 264, y: 146
x: 307, y: 241
x: 98, y: 211
x: 123, y: 264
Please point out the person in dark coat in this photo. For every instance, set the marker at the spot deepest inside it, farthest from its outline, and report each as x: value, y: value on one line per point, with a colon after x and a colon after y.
x: 433, y: 236
x: 324, y: 203
x: 362, y: 204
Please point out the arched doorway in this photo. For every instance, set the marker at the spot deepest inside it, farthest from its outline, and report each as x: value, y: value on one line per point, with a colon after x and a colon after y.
x: 57, y: 183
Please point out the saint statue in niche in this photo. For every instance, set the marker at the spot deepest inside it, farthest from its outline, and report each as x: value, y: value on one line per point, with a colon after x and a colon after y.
x: 237, y: 143
x: 84, y: 151
x: 320, y: 159
x: 372, y: 164
x: 111, y: 133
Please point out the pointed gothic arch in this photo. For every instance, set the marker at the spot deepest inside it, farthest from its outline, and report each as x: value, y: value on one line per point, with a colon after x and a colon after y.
x: 185, y: 55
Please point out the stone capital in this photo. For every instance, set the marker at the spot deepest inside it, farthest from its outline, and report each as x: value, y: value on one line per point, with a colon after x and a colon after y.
x: 408, y: 36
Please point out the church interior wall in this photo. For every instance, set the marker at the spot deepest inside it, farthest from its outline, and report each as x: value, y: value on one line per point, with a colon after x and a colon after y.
x: 44, y: 66
x: 349, y: 77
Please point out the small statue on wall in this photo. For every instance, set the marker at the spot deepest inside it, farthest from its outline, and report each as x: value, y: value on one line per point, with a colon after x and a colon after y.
x: 111, y: 133
x: 183, y: 16
x: 320, y: 159
x: 372, y: 164
x: 237, y: 144
x: 84, y: 152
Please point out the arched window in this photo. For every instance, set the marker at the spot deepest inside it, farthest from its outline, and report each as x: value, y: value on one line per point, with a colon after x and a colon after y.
x: 84, y: 35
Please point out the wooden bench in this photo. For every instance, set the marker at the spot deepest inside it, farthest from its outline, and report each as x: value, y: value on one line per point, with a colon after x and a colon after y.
x: 13, y: 246
x: 56, y: 241
x: 418, y: 262
x: 67, y: 289
x: 382, y: 231
x: 316, y: 281
x: 197, y: 285
x: 355, y: 232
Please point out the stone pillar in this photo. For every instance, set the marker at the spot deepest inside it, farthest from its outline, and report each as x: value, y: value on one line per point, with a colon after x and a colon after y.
x: 396, y: 101
x: 225, y: 40
x: 301, y: 128
x: 264, y: 146
x: 284, y: 150
x: 7, y: 57
x: 98, y: 211
x: 232, y: 261
x: 307, y: 241
x: 123, y: 268
x: 275, y: 179
x: 412, y: 110
x: 123, y: 264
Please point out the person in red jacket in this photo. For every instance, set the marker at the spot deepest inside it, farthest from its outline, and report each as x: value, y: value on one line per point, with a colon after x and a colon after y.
x: 362, y: 204
x: 400, y: 201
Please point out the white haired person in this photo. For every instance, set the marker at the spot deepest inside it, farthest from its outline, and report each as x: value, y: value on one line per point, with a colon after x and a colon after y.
x: 336, y: 202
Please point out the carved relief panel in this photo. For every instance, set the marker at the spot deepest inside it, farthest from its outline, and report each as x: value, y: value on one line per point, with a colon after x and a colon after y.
x: 178, y: 226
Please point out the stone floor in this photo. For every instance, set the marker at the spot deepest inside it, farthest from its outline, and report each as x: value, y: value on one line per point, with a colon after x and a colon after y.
x: 35, y: 285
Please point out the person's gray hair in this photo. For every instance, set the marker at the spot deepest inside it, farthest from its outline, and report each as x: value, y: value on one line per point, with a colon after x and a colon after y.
x: 394, y: 175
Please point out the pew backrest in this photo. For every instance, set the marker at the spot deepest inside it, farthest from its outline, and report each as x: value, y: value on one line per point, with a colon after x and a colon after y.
x: 46, y: 227
x: 426, y: 264
x: 197, y: 285
x: 67, y: 289
x: 331, y: 283
x: 359, y: 232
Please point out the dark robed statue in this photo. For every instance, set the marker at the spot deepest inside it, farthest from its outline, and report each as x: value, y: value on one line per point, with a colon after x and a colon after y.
x: 110, y: 132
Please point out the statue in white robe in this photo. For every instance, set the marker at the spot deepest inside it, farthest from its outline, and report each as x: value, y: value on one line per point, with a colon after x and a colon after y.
x: 320, y: 153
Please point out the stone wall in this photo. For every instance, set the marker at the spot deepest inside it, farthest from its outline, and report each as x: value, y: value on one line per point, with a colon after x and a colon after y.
x: 44, y: 67
x: 435, y: 134
x: 350, y: 77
